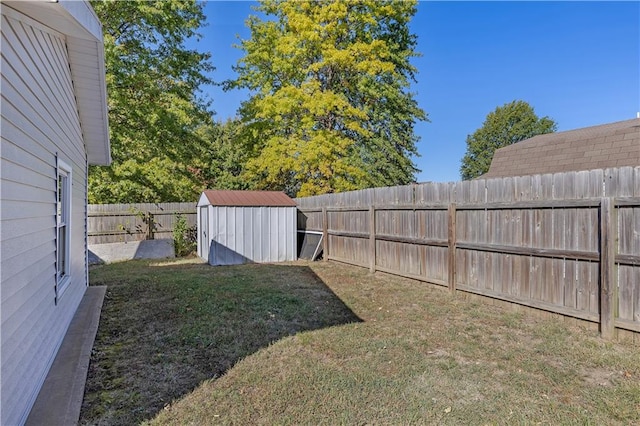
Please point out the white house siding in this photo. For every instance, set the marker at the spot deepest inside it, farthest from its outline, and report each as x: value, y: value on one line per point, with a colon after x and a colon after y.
x: 251, y: 234
x: 39, y: 121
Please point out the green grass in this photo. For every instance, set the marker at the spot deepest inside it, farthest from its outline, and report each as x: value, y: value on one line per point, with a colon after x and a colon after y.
x: 326, y: 343
x: 166, y: 327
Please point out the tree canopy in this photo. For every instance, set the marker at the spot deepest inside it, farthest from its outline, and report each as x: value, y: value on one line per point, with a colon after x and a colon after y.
x: 223, y: 156
x: 156, y: 112
x: 506, y: 125
x: 330, y: 108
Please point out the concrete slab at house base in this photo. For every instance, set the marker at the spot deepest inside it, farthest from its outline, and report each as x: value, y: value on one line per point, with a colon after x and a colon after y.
x: 117, y: 252
x: 60, y: 398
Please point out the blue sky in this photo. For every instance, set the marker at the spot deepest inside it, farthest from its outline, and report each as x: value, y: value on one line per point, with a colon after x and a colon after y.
x: 576, y: 62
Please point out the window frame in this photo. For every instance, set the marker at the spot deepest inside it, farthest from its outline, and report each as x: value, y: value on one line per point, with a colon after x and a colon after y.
x: 64, y: 178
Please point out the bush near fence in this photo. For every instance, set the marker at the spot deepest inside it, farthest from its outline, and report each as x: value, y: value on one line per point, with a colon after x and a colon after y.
x: 564, y: 243
x: 114, y: 223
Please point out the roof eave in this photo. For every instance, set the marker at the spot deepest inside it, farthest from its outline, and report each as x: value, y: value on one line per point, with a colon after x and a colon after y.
x: 95, y: 121
x: 81, y: 26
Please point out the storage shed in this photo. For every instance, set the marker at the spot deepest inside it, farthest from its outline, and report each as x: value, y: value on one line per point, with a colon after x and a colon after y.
x: 237, y: 227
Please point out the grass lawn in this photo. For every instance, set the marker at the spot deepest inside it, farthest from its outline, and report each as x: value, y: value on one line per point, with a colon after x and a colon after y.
x: 326, y: 343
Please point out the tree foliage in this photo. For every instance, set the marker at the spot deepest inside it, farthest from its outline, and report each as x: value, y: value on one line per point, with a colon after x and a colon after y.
x: 156, y: 114
x: 223, y: 156
x: 506, y: 125
x: 330, y: 108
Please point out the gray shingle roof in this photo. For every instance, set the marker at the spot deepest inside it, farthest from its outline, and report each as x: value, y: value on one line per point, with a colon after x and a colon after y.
x: 597, y: 147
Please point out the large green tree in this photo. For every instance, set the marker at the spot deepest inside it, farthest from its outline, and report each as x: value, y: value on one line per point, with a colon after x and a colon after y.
x: 224, y: 156
x: 156, y: 113
x: 331, y: 108
x: 506, y: 125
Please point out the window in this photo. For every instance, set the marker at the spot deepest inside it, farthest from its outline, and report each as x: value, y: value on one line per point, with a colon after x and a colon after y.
x: 63, y: 225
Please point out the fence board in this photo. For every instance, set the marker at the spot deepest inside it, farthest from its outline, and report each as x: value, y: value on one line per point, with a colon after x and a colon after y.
x: 435, y: 192
x: 634, y: 280
x: 109, y: 223
x: 434, y: 263
x: 628, y: 221
x: 394, y: 195
x: 311, y: 221
x: 627, y: 300
x: 622, y: 182
x: 571, y: 290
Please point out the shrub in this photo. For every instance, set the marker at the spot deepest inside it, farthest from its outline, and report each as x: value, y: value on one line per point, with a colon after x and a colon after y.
x: 184, y: 237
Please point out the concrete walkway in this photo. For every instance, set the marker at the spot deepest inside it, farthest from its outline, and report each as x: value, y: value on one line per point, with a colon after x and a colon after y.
x: 60, y: 398
x: 118, y: 252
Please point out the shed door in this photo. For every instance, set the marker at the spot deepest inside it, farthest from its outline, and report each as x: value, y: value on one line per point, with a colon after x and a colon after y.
x: 204, y: 233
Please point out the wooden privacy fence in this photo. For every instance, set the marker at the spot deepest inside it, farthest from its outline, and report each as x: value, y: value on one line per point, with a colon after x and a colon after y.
x: 112, y: 223
x: 567, y: 243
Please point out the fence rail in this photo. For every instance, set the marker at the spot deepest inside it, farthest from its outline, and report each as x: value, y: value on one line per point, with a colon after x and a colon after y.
x: 566, y: 243
x: 111, y: 223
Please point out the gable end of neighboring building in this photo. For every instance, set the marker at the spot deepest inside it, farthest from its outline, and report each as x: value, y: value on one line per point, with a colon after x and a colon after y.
x: 597, y: 147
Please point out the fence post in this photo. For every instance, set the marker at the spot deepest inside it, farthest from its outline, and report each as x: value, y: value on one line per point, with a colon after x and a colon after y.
x: 607, y: 268
x: 372, y: 239
x: 452, y: 247
x: 325, y: 234
x: 150, y: 223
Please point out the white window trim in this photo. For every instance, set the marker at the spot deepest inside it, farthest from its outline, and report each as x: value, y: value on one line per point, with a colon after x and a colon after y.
x: 63, y: 278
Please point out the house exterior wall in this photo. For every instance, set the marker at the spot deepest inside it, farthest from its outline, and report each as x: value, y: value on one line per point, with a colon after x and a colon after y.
x: 250, y: 234
x: 40, y: 123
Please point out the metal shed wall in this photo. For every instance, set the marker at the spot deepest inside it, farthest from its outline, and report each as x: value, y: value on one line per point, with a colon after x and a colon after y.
x: 247, y: 234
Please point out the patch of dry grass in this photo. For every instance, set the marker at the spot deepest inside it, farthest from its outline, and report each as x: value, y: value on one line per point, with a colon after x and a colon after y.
x: 419, y: 356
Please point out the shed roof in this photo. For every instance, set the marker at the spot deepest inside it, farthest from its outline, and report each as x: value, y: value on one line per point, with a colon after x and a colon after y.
x: 249, y: 198
x: 597, y: 147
